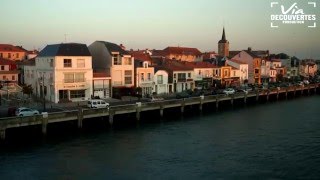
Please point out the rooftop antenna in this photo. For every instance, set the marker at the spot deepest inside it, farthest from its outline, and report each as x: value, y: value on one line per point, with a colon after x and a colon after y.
x: 65, y: 38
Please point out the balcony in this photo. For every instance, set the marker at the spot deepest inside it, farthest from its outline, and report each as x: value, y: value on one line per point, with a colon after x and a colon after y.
x: 182, y: 80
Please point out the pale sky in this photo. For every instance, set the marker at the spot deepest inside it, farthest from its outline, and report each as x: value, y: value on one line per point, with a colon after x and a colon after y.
x: 156, y: 24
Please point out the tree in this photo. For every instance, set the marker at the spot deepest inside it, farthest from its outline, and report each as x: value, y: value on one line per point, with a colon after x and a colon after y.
x: 27, y: 89
x: 279, y: 77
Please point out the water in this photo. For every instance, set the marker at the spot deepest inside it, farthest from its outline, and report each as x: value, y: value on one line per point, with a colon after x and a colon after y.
x: 279, y: 140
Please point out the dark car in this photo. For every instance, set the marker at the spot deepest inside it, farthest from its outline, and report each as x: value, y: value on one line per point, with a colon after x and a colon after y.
x: 12, y: 111
x: 182, y: 95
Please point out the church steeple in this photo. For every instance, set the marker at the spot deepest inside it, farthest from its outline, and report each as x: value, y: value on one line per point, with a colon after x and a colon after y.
x: 223, y: 35
x: 223, y: 45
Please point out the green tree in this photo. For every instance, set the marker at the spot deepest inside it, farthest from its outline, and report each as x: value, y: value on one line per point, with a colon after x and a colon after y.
x: 27, y: 89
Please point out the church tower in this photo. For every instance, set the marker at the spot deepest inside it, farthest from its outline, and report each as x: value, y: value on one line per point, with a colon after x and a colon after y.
x: 223, y: 45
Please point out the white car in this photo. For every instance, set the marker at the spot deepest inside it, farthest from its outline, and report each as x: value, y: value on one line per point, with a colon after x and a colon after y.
x: 23, y: 111
x: 97, y: 103
x: 229, y: 91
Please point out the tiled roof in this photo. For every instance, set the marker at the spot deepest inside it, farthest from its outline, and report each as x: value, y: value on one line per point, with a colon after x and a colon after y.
x: 237, y: 61
x: 114, y: 48
x: 251, y: 54
x: 69, y: 49
x: 182, y: 50
x: 6, y: 62
x: 199, y: 65
x: 140, y: 55
x: 233, y: 53
x: 158, y: 53
x: 10, y: 48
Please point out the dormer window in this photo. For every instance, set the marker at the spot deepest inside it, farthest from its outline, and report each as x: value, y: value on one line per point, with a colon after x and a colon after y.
x: 145, y: 64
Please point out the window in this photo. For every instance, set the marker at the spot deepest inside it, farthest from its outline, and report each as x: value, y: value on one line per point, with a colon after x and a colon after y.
x: 1, y: 55
x: 2, y: 68
x: 189, y: 75
x: 174, y: 75
x: 234, y: 73
x: 45, y: 90
x: 142, y: 76
x: 17, y: 55
x: 80, y: 63
x: 68, y: 78
x: 9, y: 55
x: 199, y: 72
x: 13, y: 78
x: 128, y: 77
x: 181, y: 76
x: 77, y: 93
x: 149, y: 76
x: 79, y: 77
x: 4, y: 77
x: 160, y: 79
x: 51, y: 62
x: 127, y: 61
x: 116, y: 59
x: 225, y: 73
x: 67, y: 63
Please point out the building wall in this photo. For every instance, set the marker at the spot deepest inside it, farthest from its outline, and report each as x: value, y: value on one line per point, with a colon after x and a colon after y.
x: 182, y: 85
x: 246, y: 58
x: 161, y: 88
x: 52, y: 73
x: 223, y: 49
x: 143, y: 81
x: 182, y: 57
x: 102, y: 87
x: 12, y: 55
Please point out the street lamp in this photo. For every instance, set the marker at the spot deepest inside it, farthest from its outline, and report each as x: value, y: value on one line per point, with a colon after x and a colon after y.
x: 43, y: 96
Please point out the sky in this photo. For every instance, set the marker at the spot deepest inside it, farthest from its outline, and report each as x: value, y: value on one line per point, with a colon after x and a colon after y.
x: 156, y: 24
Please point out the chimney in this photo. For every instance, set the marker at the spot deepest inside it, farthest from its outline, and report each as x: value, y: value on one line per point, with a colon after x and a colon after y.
x: 122, y: 47
x: 249, y: 49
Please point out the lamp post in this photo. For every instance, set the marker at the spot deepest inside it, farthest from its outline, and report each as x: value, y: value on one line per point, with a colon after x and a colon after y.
x: 43, y: 96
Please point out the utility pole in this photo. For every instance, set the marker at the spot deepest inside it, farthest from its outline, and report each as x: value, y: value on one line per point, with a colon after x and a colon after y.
x: 44, y: 97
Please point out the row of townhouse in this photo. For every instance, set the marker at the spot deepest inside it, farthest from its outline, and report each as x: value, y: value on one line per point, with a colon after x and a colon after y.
x: 77, y: 72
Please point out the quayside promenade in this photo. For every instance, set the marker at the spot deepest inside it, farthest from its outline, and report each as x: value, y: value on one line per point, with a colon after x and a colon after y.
x: 213, y: 100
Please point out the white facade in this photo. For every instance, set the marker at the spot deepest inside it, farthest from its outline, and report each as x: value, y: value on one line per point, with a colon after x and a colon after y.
x: 160, y: 81
x: 183, y: 80
x: 144, y: 78
x: 242, y: 70
x: 102, y: 87
x: 65, y: 78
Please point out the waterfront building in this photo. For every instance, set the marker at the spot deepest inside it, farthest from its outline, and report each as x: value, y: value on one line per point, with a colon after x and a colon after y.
x: 281, y: 70
x: 182, y: 54
x: 240, y: 70
x: 160, y: 81
x: 204, y: 73
x: 308, y: 68
x: 11, y: 52
x: 144, y: 72
x: 8, y: 76
x: 61, y: 73
x: 101, y: 85
x: 265, y: 70
x: 254, y: 65
x: 180, y: 76
x: 114, y: 59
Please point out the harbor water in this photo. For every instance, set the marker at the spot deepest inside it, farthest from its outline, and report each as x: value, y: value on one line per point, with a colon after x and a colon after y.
x: 279, y: 140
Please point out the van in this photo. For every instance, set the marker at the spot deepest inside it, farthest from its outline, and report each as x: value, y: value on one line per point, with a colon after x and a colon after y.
x: 97, y: 103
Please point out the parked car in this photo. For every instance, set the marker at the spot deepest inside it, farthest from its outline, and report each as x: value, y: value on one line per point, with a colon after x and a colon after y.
x: 306, y: 82
x: 242, y: 91
x: 182, y: 95
x: 97, y: 103
x: 23, y: 111
x: 229, y: 91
